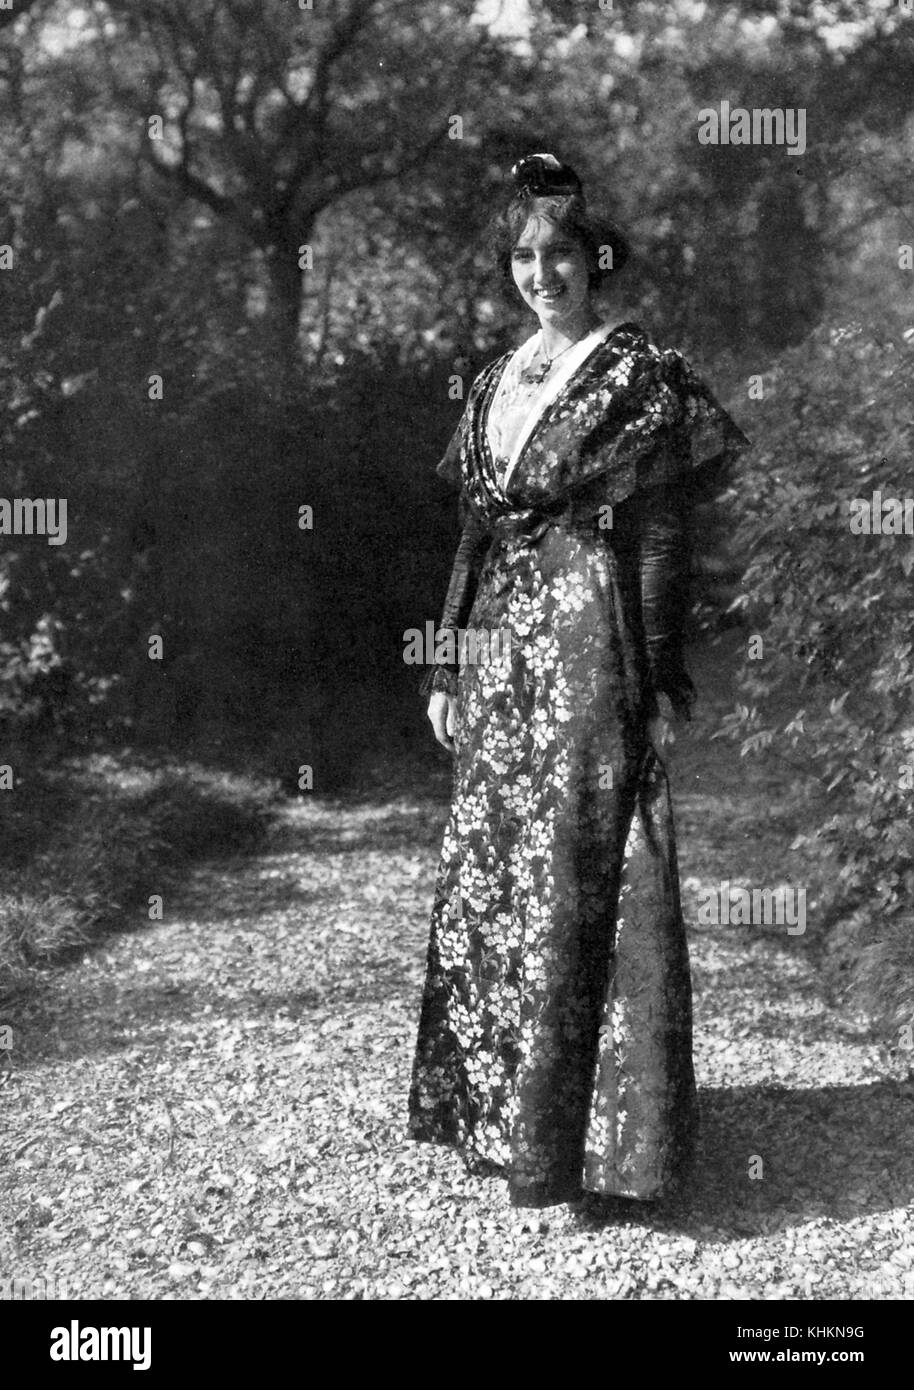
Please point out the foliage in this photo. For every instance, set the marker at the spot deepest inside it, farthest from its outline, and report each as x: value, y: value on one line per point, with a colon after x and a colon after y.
x: 831, y: 692
x: 83, y: 849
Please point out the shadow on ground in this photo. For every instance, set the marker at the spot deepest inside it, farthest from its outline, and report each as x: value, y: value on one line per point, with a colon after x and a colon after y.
x: 830, y: 1174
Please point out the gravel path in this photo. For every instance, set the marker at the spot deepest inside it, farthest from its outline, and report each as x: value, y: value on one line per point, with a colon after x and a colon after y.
x: 212, y: 1106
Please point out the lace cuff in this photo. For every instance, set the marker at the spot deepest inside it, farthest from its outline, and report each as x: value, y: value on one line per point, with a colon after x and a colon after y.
x: 439, y: 678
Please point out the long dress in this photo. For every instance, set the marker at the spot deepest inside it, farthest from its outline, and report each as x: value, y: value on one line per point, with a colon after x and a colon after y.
x: 554, y: 1041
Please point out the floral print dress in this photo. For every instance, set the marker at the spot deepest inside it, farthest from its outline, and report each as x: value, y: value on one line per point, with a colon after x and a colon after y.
x: 554, y: 1041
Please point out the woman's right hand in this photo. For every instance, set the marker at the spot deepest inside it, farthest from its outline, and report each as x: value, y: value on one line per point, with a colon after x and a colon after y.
x: 442, y: 711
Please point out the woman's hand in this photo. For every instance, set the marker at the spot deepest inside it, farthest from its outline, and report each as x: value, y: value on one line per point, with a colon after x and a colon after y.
x: 442, y: 711
x: 661, y: 734
x: 661, y: 730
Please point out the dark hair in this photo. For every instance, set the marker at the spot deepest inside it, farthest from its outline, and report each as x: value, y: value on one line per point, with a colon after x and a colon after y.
x: 570, y: 214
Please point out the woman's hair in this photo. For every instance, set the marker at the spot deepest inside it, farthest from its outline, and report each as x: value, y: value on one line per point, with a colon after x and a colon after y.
x: 570, y: 214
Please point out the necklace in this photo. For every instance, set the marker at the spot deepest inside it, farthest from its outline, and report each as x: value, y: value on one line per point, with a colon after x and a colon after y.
x: 535, y: 376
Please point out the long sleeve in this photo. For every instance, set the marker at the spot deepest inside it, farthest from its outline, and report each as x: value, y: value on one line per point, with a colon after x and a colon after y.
x: 664, y: 570
x: 471, y: 551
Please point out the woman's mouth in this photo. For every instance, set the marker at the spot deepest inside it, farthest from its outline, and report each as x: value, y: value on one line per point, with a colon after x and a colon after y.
x: 551, y: 295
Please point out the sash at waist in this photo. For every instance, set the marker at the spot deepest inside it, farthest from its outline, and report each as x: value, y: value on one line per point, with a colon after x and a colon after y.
x: 530, y: 524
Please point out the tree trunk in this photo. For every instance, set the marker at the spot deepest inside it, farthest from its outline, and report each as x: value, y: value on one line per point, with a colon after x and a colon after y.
x: 287, y: 290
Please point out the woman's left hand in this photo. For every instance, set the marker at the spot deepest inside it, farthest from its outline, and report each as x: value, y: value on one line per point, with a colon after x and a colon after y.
x: 661, y: 733
x: 661, y: 730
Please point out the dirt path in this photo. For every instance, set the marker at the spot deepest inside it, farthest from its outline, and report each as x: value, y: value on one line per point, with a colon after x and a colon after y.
x: 213, y: 1106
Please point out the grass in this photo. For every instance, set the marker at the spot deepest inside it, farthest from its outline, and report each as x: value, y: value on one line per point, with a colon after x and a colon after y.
x: 84, y: 847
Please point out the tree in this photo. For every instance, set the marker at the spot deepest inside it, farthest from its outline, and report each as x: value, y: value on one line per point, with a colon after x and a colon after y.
x: 268, y: 113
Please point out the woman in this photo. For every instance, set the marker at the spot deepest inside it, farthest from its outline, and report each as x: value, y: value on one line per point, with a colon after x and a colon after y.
x: 554, y: 1042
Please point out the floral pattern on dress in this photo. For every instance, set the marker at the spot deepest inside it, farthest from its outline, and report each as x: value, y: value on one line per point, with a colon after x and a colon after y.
x: 554, y: 1039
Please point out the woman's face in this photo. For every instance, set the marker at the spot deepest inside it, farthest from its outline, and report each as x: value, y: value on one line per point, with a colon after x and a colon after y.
x: 550, y: 270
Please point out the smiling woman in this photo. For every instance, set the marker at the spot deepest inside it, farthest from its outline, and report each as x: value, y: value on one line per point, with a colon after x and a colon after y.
x: 561, y: 207
x: 554, y: 1041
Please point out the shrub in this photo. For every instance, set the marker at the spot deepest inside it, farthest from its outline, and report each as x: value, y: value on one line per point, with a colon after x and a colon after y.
x: 119, y: 834
x: 832, y: 690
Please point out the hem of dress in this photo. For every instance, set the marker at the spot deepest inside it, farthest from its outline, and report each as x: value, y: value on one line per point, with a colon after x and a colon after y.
x: 553, y: 1192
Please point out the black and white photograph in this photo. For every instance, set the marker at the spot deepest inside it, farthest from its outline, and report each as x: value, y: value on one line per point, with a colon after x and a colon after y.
x: 457, y: 666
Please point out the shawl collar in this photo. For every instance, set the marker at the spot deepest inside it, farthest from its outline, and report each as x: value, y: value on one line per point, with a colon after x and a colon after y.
x: 631, y: 414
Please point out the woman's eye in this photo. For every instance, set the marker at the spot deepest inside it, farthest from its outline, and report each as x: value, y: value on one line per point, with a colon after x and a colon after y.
x: 554, y: 252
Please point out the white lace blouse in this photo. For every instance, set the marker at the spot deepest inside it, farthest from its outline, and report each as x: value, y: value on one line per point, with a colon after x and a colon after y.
x: 517, y: 405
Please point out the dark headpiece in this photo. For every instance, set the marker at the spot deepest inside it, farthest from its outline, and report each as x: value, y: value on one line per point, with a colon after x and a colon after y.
x: 543, y: 176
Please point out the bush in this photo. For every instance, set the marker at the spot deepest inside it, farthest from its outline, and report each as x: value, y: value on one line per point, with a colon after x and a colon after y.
x: 120, y: 834
x: 832, y: 690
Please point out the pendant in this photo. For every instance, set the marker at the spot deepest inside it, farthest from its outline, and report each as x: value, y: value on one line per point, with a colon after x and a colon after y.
x: 533, y: 377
